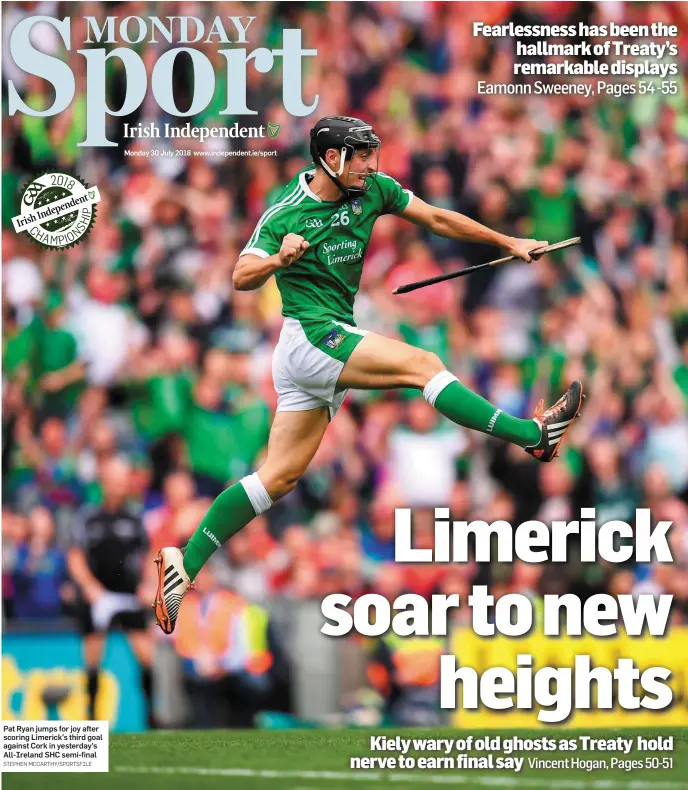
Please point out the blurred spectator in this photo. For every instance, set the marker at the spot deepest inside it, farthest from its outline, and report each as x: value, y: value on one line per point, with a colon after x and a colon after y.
x: 40, y: 572
x: 250, y: 562
x: 222, y: 444
x: 405, y: 671
x: 552, y: 204
x: 424, y: 455
x: 160, y: 383
x: 14, y: 534
x: 106, y: 331
x: 378, y: 536
x: 613, y: 496
x: 162, y: 522
x: 233, y: 662
x: 667, y: 440
x: 44, y: 469
x: 60, y: 372
x: 110, y: 563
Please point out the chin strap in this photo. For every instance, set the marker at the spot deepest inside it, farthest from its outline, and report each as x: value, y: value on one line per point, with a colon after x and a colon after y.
x: 342, y: 159
x: 334, y: 175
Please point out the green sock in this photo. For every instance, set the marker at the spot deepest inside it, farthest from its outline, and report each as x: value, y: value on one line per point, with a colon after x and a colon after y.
x: 231, y: 511
x: 467, y: 408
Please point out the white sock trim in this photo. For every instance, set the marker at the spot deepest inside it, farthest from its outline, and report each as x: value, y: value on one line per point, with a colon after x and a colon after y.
x: 436, y: 384
x: 255, y: 491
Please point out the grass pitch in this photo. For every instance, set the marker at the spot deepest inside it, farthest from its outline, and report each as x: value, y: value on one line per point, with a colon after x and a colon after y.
x: 319, y: 760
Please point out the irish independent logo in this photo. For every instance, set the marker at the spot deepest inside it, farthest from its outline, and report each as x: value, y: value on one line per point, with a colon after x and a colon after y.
x: 273, y: 130
x: 56, y: 209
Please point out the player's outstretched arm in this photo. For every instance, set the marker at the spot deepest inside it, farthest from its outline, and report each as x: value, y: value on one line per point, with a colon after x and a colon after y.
x: 453, y: 225
x: 252, y: 271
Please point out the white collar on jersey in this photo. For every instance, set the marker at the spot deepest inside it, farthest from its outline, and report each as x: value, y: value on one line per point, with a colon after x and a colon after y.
x: 304, y: 184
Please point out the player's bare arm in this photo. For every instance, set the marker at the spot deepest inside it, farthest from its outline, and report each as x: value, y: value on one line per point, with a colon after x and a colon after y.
x: 457, y: 226
x: 252, y: 271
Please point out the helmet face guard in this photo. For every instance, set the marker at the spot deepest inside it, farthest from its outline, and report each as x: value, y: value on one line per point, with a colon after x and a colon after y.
x: 347, y: 135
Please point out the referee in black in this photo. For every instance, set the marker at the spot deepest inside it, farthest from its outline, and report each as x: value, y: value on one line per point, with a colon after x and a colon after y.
x: 108, y: 561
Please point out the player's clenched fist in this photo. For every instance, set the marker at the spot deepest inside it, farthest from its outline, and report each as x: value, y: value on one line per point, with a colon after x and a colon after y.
x: 293, y: 247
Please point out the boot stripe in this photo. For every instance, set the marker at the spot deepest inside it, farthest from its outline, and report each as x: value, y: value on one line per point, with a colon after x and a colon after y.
x: 172, y: 582
x: 173, y: 606
x: 558, y: 432
x: 173, y: 585
x: 559, y: 424
x: 169, y: 569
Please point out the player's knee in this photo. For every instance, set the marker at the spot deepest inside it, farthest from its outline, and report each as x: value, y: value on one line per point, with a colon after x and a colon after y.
x: 425, y: 365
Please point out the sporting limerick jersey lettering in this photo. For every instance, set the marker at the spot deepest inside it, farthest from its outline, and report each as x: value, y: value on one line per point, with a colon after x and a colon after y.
x: 325, y: 280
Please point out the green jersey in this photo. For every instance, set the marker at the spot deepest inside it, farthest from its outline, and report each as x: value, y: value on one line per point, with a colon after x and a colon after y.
x: 324, y: 281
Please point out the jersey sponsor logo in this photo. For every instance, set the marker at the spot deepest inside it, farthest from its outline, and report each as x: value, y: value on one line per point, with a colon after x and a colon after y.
x: 313, y: 222
x: 345, y: 251
x: 333, y: 339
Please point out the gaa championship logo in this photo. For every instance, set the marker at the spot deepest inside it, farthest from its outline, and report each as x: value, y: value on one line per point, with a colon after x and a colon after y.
x: 57, y: 210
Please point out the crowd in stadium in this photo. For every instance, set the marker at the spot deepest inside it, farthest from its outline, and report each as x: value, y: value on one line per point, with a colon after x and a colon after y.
x: 133, y: 345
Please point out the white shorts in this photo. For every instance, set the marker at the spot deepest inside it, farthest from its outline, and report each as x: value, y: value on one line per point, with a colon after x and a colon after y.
x: 305, y: 376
